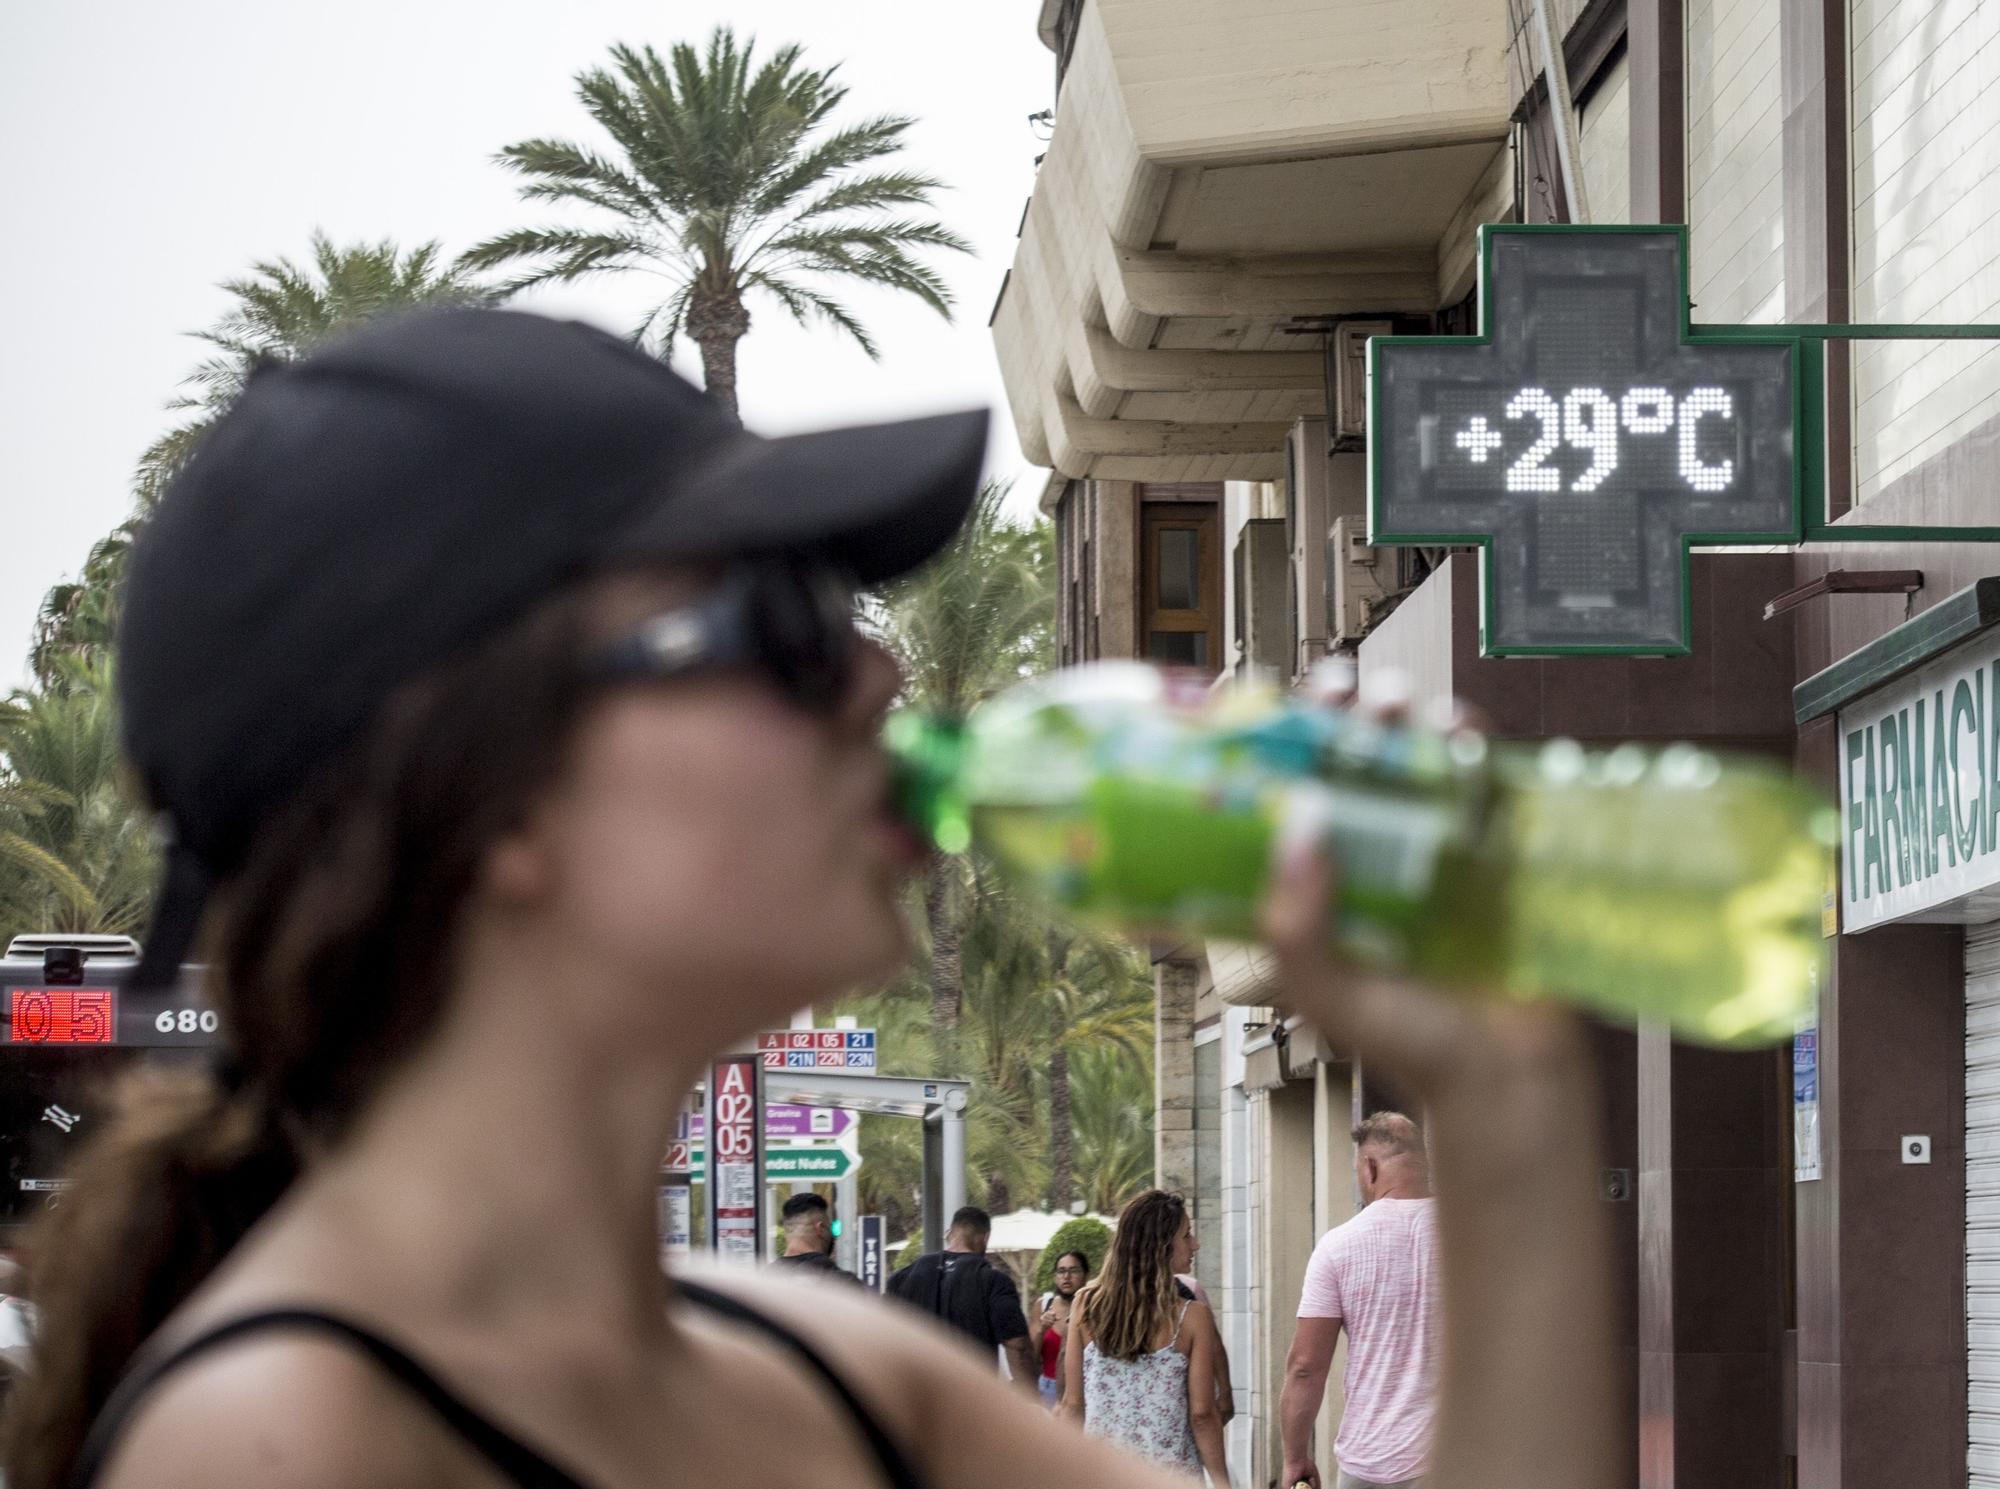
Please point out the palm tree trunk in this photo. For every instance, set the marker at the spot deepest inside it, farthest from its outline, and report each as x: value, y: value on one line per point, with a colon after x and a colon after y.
x: 1062, y: 1140
x: 718, y: 371
x: 947, y: 971
x: 716, y: 322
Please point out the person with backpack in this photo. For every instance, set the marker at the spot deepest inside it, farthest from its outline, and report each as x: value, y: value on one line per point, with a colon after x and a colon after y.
x: 962, y: 1286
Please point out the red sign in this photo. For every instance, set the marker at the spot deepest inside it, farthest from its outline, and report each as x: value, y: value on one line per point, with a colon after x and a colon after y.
x: 735, y: 1177
x: 817, y: 1049
x: 61, y: 1015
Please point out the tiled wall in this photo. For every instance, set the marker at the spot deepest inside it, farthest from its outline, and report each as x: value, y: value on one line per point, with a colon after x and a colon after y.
x: 1926, y: 193
x: 1604, y: 119
x: 1735, y: 154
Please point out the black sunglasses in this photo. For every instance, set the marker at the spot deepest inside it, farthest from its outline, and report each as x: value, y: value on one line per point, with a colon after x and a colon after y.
x: 791, y: 619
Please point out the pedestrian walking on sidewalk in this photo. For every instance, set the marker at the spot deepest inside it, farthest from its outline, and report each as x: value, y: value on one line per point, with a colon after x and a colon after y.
x: 520, y: 751
x: 808, y: 1220
x: 1141, y: 1357
x: 1376, y: 1277
x: 961, y: 1286
x: 1052, y: 1315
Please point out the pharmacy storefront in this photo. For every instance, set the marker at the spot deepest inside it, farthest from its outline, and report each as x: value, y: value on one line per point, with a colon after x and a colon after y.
x: 1917, y: 754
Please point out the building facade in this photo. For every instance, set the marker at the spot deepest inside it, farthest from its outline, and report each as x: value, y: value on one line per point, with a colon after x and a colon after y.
x: 1235, y: 197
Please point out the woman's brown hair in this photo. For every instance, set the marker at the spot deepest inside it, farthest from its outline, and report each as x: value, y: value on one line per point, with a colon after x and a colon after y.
x: 1136, y: 1293
x: 328, y: 952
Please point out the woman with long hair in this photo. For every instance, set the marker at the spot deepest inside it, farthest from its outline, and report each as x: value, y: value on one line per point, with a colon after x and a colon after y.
x: 1072, y: 1270
x: 519, y: 753
x: 1141, y: 1358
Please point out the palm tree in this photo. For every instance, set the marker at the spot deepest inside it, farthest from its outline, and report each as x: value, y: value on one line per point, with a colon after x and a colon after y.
x: 79, y: 618
x: 723, y: 179
x: 93, y: 862
x: 1114, y: 1128
x: 1003, y: 1145
x: 280, y: 311
x: 283, y: 310
x: 1099, y: 1000
x: 979, y: 616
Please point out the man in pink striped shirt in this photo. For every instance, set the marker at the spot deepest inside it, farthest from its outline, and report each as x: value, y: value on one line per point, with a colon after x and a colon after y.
x: 1376, y: 1277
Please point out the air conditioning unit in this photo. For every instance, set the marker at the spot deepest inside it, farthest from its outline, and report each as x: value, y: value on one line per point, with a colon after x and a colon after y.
x: 1261, y: 604
x: 1320, y: 487
x: 1363, y: 578
x: 1349, y: 372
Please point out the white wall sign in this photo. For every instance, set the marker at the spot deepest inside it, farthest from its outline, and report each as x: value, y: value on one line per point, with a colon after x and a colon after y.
x: 1920, y: 793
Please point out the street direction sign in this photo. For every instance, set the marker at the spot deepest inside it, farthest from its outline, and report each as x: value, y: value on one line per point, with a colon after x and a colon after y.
x: 794, y: 1125
x: 808, y: 1165
x: 1586, y: 439
x: 817, y: 1049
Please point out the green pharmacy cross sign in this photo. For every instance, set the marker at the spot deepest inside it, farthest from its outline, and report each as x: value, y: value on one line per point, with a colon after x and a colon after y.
x: 1590, y: 436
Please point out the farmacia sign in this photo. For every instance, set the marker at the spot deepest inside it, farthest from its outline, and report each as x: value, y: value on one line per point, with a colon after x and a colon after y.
x: 1920, y: 793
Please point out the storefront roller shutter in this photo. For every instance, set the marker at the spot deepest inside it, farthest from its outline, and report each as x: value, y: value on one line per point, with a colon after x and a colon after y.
x: 1982, y: 1201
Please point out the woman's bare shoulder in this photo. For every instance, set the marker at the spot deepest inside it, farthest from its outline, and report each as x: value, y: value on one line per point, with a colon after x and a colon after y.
x: 937, y: 1396
x: 284, y: 1412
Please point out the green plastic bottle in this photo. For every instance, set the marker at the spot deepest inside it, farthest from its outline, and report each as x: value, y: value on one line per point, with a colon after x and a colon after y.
x: 1668, y: 884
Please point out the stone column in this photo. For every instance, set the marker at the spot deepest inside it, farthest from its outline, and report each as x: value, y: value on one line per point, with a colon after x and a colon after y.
x: 1174, y: 982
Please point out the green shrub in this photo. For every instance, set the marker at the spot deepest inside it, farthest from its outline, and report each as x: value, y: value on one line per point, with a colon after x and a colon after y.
x: 1087, y: 1234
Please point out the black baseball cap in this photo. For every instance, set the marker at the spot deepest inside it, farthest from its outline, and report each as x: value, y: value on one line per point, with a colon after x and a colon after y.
x: 364, y: 513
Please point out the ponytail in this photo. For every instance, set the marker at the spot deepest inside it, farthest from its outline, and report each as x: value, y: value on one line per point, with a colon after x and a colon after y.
x: 154, y: 1203
x: 327, y: 947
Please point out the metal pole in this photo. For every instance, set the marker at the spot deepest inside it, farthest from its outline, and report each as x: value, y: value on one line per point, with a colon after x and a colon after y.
x: 1569, y: 144
x: 846, y: 1205
x: 934, y: 1211
x: 953, y: 1123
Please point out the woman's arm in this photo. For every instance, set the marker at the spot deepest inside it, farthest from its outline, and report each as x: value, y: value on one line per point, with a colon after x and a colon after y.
x: 1203, y: 1415
x: 1071, y: 1406
x: 1526, y: 1397
x: 1225, y: 1388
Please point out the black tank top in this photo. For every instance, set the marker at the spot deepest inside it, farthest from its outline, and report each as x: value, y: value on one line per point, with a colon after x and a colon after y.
x: 512, y: 1458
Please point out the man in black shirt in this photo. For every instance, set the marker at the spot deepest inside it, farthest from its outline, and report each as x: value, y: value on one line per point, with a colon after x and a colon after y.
x: 809, y: 1236
x: 962, y: 1287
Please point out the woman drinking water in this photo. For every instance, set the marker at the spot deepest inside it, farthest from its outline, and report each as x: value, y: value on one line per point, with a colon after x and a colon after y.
x: 519, y: 751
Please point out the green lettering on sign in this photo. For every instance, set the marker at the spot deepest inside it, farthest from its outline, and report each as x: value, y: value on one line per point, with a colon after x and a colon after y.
x: 1943, y: 777
x: 1875, y: 872
x: 800, y: 1165
x: 1892, y: 817
x: 1964, y: 721
x: 1910, y: 793
x: 1860, y: 841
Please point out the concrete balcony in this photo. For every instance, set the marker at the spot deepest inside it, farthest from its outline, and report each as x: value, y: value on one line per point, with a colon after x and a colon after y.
x: 1219, y: 172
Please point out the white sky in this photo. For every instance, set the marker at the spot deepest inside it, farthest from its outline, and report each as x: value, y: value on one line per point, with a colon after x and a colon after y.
x: 153, y: 150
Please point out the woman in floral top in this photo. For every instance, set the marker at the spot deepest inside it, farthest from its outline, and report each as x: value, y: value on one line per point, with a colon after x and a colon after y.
x: 1140, y: 1362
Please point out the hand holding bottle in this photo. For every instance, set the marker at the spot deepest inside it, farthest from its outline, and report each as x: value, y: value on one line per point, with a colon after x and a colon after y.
x: 1670, y: 884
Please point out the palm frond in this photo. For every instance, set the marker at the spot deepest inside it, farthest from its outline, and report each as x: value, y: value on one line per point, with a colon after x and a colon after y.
x: 807, y: 305
x: 725, y: 174
x: 565, y: 253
